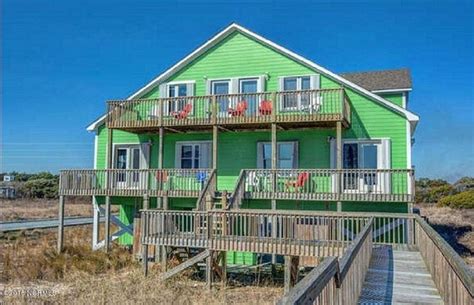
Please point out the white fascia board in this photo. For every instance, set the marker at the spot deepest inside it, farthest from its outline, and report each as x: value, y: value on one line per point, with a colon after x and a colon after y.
x: 233, y: 27
x: 203, y: 48
x: 95, y: 125
x: 392, y: 90
x: 409, y: 115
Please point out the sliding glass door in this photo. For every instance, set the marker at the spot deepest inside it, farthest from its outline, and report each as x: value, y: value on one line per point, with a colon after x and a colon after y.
x: 362, y: 155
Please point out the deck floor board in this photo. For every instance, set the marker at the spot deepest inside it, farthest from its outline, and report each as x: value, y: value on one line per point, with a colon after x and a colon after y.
x: 398, y: 277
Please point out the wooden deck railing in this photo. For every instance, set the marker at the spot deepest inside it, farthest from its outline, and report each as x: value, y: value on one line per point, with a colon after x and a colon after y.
x: 305, y: 106
x: 326, y: 184
x: 247, y: 225
x: 344, y: 240
x: 277, y: 232
x: 208, y: 191
x: 336, y: 281
x: 175, y: 228
x: 306, y: 233
x: 451, y: 275
x: 153, y: 182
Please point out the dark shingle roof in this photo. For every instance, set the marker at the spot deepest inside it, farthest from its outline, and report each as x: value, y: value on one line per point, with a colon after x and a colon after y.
x: 381, y: 80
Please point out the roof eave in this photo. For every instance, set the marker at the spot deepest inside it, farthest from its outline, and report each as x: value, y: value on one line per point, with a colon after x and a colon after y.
x: 233, y: 27
x: 96, y: 124
x: 392, y: 90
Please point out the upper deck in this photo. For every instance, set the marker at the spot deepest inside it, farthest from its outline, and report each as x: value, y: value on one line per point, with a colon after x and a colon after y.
x: 289, y: 109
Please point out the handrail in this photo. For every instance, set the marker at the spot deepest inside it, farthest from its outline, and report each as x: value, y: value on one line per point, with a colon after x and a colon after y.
x: 320, y: 213
x: 118, y: 101
x: 351, y: 252
x: 209, y: 188
x: 133, y: 182
x: 461, y: 270
x: 326, y: 280
x: 312, y: 285
x: 322, y: 184
x: 238, y: 193
x: 238, y: 108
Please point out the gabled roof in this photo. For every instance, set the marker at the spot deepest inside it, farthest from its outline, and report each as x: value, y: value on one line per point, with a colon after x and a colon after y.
x: 384, y: 80
x: 413, y: 118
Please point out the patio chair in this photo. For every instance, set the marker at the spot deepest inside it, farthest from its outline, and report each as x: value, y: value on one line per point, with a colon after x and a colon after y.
x: 183, y: 114
x: 239, y: 110
x: 314, y: 105
x: 253, y: 182
x: 298, y: 183
x: 265, y: 107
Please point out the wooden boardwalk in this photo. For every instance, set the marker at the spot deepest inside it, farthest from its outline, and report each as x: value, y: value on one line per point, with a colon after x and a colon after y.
x: 398, y: 277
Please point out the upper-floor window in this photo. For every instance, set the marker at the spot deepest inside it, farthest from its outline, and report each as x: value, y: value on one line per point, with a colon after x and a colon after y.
x: 287, y: 155
x: 193, y: 154
x: 177, y: 90
x: 299, y: 101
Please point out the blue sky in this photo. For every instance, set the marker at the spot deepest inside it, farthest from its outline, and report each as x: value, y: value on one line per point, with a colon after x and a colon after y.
x: 61, y: 60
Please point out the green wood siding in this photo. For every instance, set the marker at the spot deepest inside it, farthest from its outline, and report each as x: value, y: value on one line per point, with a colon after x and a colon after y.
x: 240, y: 56
x: 396, y: 98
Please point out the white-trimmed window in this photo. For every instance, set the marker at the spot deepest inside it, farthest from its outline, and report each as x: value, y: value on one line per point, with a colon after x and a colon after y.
x: 298, y: 100
x: 242, y: 85
x: 175, y: 90
x: 193, y: 154
x: 287, y: 155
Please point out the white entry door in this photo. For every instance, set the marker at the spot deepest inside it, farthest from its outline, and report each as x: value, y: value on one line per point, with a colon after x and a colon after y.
x: 128, y: 158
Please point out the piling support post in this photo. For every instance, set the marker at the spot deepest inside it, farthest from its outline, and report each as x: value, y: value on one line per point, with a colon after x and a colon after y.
x: 274, y: 184
x: 61, y: 224
x: 209, y: 270
x: 339, y: 164
x: 109, y: 186
x: 107, y: 224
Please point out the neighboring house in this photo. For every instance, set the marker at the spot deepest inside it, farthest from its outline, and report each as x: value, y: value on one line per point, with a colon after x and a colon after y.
x: 8, y: 178
x: 244, y: 115
x: 7, y: 192
x: 7, y: 188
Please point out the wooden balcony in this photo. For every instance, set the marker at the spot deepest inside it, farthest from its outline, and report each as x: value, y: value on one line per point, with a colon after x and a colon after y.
x: 394, y: 185
x: 289, y: 109
x: 136, y: 183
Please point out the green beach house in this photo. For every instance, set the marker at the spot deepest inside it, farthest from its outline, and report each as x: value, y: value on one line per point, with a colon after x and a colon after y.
x: 244, y: 123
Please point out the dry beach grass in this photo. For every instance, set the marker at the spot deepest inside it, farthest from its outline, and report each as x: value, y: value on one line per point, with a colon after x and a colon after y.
x: 79, y: 276
x: 32, y: 272
x: 456, y: 227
